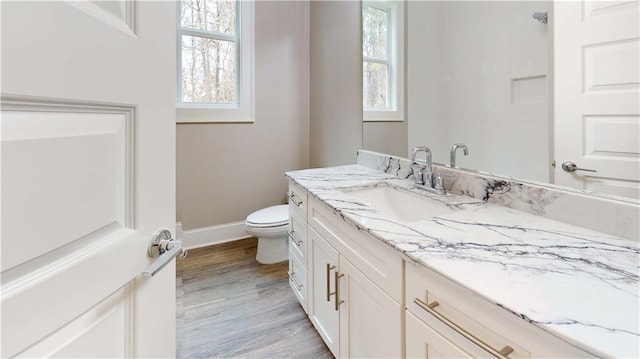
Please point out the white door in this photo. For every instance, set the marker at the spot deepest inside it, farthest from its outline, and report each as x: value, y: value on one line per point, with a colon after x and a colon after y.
x: 597, y: 97
x: 88, y: 147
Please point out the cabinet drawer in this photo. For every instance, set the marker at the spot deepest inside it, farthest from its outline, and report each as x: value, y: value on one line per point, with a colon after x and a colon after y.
x: 381, y: 264
x: 488, y: 323
x: 298, y: 237
x: 298, y: 279
x: 297, y: 200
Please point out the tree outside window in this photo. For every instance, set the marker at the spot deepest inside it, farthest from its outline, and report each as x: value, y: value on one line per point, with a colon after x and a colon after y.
x: 209, y: 40
x: 375, y: 52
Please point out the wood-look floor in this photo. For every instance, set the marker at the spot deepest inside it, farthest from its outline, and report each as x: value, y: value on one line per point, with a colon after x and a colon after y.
x: 229, y: 305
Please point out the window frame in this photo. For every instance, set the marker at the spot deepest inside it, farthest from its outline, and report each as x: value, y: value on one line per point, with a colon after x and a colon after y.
x: 394, y: 112
x: 243, y: 110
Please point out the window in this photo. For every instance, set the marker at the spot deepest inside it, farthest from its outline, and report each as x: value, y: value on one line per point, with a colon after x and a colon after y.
x: 383, y: 60
x: 215, y: 75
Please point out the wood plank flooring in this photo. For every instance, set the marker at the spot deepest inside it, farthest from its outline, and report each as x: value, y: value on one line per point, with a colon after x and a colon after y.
x: 229, y: 305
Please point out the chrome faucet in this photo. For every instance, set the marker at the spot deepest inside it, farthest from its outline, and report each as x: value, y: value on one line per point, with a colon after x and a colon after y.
x: 424, y: 175
x: 452, y: 153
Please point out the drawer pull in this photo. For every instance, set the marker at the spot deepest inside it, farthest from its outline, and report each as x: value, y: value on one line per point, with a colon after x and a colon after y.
x: 295, y: 282
x: 298, y: 243
x: 429, y: 308
x: 329, y: 294
x: 292, y: 199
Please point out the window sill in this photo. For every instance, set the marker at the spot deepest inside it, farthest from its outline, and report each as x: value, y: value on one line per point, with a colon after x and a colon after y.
x: 382, y: 116
x: 214, y: 115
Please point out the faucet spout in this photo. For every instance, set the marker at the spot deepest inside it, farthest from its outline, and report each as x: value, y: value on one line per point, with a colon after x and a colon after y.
x: 424, y: 149
x: 452, y: 153
x: 424, y: 175
x: 425, y: 170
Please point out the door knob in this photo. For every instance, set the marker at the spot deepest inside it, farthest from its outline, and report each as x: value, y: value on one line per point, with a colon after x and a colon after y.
x: 569, y: 166
x: 163, y: 247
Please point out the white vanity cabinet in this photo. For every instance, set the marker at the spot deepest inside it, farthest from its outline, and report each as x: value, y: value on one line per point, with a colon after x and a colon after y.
x: 357, y: 288
x: 368, y: 300
x: 444, y: 319
x: 298, y: 244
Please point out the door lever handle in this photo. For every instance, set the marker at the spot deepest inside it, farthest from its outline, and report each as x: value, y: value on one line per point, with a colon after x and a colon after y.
x: 164, y: 248
x: 569, y: 166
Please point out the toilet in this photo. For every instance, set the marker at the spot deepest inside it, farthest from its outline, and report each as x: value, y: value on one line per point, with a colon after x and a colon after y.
x: 270, y: 225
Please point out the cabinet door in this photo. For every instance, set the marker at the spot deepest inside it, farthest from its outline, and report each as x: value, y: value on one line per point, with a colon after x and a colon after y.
x: 424, y: 342
x: 370, y: 320
x: 322, y: 309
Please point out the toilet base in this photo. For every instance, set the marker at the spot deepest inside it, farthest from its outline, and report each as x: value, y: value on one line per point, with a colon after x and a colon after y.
x: 272, y: 250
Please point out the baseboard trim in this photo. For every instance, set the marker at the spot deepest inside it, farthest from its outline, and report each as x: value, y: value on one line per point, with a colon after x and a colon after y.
x: 207, y: 236
x: 179, y: 231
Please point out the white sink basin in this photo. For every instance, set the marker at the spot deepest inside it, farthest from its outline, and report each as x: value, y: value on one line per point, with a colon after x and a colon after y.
x: 399, y: 204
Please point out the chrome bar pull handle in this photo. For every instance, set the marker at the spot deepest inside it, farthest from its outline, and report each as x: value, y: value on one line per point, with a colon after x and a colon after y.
x: 292, y: 199
x: 569, y: 166
x: 293, y: 279
x: 430, y: 308
x: 298, y: 243
x: 336, y: 279
x: 164, y: 248
x: 329, y: 293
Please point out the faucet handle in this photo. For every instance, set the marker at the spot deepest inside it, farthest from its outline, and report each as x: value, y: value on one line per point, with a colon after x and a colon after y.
x: 418, y: 173
x: 439, y: 181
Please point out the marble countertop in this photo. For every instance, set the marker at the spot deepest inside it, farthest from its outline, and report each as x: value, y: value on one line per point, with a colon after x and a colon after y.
x: 575, y: 283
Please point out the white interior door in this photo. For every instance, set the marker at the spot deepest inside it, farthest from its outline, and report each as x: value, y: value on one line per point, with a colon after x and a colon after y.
x: 597, y: 97
x: 88, y: 152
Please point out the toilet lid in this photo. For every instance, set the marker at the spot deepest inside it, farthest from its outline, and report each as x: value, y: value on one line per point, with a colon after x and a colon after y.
x: 270, y: 216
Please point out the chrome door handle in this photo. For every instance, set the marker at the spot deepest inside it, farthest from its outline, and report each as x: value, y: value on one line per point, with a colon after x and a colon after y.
x: 163, y: 247
x: 569, y: 166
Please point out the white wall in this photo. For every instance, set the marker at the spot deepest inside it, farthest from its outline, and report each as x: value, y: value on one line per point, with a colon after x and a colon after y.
x: 336, y: 82
x: 426, y: 124
x: 477, y: 74
x: 385, y: 137
x: 226, y: 171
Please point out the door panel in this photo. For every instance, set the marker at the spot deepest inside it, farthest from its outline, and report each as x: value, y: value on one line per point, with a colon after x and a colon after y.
x: 370, y: 320
x: 322, y: 312
x: 46, y: 298
x: 597, y: 95
x: 88, y: 175
x: 76, y: 180
x: 94, y: 326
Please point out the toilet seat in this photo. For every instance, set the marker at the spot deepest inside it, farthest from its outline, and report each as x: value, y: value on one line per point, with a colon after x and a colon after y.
x: 275, y: 216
